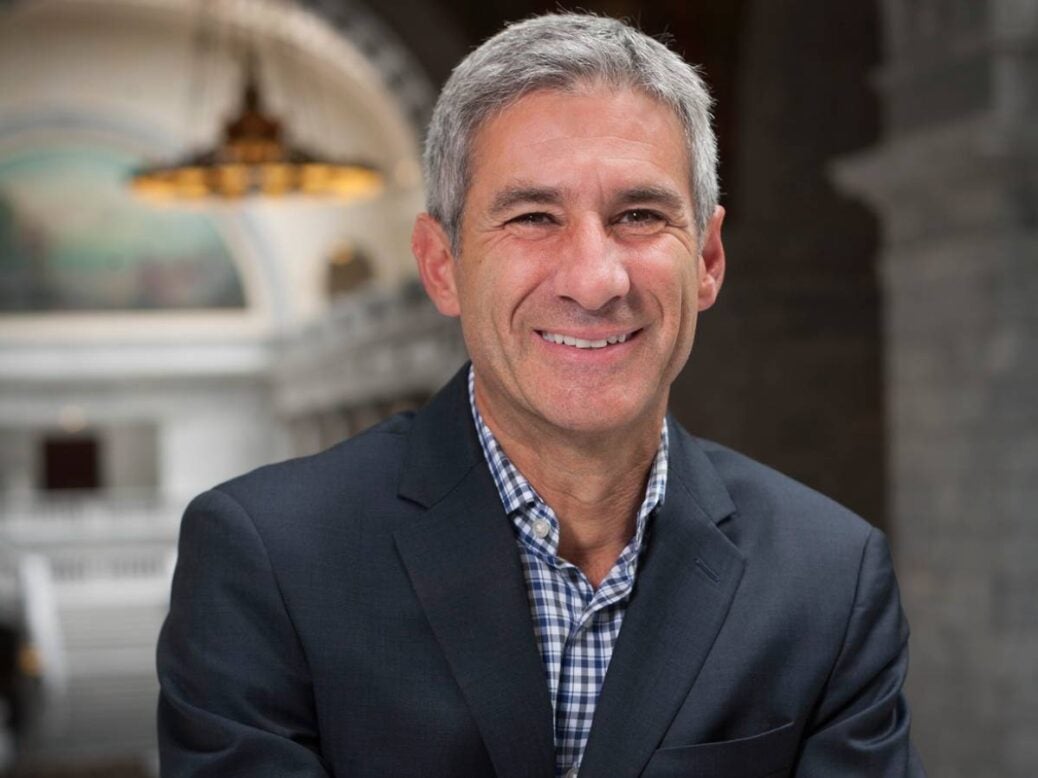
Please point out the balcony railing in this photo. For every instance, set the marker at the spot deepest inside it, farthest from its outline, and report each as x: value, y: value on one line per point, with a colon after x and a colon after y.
x: 89, y: 576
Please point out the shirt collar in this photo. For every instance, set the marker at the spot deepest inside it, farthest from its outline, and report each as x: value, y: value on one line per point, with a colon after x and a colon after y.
x: 517, y: 493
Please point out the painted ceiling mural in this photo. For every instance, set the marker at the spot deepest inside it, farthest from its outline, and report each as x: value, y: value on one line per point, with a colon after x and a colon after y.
x: 74, y: 238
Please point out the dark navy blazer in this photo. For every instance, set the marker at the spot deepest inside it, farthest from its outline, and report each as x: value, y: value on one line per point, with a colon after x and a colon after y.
x: 362, y: 612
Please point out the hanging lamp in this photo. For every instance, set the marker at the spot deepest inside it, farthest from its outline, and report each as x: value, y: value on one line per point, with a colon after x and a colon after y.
x: 253, y: 158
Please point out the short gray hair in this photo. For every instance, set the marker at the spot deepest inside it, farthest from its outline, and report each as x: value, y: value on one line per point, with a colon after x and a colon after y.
x: 561, y: 51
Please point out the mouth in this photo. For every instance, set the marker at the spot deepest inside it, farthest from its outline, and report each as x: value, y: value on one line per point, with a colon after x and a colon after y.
x: 586, y: 343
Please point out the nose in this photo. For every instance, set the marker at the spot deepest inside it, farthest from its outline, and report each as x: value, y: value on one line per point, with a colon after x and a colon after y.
x: 591, y: 271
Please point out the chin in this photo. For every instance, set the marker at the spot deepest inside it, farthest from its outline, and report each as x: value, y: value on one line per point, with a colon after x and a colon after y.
x: 584, y: 416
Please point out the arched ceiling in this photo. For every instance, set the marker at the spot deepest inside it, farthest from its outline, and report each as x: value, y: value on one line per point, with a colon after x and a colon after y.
x: 153, y: 79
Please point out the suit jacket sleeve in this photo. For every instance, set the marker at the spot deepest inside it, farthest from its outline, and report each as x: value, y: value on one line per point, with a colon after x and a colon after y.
x: 861, y: 726
x: 236, y: 697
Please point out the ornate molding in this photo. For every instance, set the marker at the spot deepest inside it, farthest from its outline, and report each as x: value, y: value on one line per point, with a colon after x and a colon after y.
x: 375, y: 346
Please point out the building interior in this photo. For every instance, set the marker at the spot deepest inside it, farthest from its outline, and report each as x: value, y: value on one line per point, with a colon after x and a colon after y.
x: 876, y: 338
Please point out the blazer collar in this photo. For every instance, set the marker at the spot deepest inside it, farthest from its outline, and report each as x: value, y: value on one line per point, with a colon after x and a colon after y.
x: 690, y: 465
x: 442, y: 446
x: 464, y: 566
x: 687, y: 579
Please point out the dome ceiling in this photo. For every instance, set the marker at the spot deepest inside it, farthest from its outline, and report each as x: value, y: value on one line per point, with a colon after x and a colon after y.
x: 127, y: 82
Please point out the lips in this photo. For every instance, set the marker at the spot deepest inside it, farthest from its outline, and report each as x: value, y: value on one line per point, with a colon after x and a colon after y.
x: 583, y: 343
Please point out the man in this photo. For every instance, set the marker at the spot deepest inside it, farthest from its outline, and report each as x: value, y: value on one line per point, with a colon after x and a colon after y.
x: 539, y: 573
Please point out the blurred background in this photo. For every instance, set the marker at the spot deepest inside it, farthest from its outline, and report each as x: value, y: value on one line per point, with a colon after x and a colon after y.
x: 205, y: 212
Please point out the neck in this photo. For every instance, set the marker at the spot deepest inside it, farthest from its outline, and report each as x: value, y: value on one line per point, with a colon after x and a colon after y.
x: 594, y: 483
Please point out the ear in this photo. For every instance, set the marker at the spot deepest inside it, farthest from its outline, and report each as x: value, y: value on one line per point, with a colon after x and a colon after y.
x: 711, y: 260
x: 436, y: 266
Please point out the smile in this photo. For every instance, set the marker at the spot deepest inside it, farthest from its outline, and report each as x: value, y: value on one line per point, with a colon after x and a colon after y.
x: 569, y: 340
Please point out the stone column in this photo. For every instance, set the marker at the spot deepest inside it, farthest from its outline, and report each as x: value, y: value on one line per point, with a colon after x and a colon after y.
x: 786, y: 367
x: 954, y: 181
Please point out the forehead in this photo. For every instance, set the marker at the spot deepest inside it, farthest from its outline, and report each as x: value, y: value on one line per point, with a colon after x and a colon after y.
x: 549, y: 132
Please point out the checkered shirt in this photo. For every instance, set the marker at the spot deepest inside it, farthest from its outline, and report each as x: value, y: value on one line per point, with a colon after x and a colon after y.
x: 576, y: 625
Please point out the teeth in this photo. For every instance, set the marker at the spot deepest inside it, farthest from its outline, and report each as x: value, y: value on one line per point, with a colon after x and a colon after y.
x: 568, y: 340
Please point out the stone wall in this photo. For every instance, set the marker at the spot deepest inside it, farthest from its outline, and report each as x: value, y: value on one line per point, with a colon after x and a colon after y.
x: 955, y: 180
x: 787, y: 365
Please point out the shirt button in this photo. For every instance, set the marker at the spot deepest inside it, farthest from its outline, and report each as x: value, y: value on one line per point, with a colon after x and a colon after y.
x: 541, y: 528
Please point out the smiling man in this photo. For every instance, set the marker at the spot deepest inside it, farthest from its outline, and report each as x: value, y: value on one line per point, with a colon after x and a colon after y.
x: 540, y: 573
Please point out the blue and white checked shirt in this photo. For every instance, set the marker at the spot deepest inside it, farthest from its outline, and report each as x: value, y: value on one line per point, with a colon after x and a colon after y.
x: 576, y: 625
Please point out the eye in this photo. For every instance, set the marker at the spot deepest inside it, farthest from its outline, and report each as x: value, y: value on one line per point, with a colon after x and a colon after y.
x: 640, y: 221
x: 534, y: 218
x: 532, y: 225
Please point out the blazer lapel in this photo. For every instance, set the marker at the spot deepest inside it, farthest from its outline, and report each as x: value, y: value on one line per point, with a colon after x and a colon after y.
x: 686, y: 581
x: 464, y: 565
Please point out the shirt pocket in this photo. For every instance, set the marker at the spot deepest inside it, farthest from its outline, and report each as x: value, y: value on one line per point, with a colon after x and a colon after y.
x: 767, y: 755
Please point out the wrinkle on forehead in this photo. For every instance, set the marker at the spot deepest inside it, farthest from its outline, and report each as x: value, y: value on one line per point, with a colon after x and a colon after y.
x: 583, y: 88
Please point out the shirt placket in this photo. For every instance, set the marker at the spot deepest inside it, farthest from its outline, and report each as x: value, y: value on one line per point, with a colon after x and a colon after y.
x: 586, y: 650
x: 575, y: 692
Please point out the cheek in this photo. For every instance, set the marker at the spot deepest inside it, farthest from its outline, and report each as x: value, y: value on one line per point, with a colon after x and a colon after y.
x: 517, y: 283
x: 670, y: 285
x: 488, y: 304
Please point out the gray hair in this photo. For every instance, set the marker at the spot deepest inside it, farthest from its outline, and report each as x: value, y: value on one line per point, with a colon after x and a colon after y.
x: 561, y: 51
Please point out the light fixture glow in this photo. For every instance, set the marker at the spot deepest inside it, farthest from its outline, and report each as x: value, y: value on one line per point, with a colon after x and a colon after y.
x: 253, y: 158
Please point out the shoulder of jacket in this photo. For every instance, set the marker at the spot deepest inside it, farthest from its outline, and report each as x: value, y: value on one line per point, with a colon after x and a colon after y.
x: 765, y: 494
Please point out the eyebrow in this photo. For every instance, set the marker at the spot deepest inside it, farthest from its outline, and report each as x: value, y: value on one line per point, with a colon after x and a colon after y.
x: 660, y: 196
x: 511, y: 196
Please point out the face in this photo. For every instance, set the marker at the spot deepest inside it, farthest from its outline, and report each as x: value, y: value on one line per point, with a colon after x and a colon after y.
x: 580, y: 272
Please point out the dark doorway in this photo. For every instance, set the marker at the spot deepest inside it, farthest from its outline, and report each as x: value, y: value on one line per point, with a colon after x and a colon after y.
x: 71, y: 463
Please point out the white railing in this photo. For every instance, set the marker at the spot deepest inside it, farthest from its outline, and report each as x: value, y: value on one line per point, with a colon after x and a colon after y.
x: 91, y: 580
x: 80, y: 503
x: 125, y: 536
x: 46, y: 519
x: 378, y: 345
